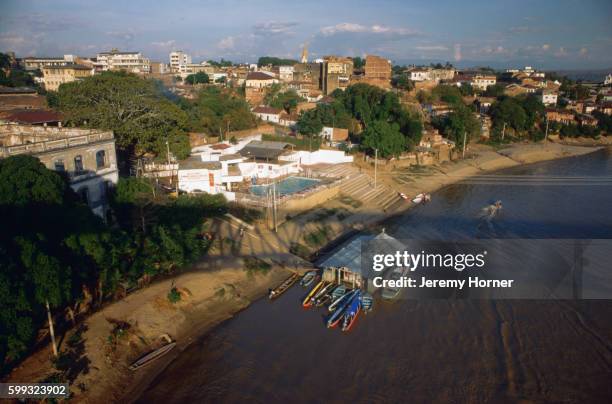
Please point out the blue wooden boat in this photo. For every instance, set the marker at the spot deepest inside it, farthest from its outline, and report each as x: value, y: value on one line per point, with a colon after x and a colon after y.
x: 308, y: 278
x: 367, y: 302
x: 340, y: 300
x: 351, y: 313
x: 338, y: 292
x: 335, y: 318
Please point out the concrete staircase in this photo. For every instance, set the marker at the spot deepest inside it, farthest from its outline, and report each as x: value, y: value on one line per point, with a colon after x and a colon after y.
x: 361, y: 187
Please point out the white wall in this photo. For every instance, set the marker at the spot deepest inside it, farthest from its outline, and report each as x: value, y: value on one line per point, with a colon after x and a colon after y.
x: 318, y: 157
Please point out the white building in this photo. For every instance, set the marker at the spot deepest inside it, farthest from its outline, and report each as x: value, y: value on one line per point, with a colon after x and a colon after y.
x: 608, y: 80
x: 267, y: 114
x: 482, y: 81
x: 547, y: 97
x: 179, y: 61
x: 260, y: 80
x: 132, y: 62
x: 285, y: 73
x: 420, y: 75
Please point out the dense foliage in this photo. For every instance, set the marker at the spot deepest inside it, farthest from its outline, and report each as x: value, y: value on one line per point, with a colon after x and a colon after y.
x: 197, y: 78
x: 286, y: 100
x: 520, y: 114
x: 358, y: 107
x: 142, y: 118
x: 54, y: 250
x: 216, y: 109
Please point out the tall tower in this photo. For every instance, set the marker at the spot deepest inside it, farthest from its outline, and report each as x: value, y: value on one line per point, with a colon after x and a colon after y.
x: 304, y: 58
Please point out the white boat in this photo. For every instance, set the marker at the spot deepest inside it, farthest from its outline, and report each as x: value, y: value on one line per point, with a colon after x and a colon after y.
x: 421, y: 198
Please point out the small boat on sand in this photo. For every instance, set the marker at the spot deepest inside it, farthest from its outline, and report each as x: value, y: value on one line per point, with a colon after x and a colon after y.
x: 366, y: 302
x: 335, y: 318
x: 350, y: 314
x: 151, y: 356
x: 402, y: 195
x: 308, y: 299
x: 308, y: 278
x: 421, y: 198
x: 282, y: 288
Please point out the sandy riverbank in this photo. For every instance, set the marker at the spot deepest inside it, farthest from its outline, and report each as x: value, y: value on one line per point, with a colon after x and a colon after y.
x: 204, y: 305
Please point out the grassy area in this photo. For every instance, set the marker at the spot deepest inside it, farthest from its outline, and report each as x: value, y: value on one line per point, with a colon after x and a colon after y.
x: 254, y: 265
x: 299, y: 143
x: 300, y: 250
x: 347, y: 200
x: 318, y: 237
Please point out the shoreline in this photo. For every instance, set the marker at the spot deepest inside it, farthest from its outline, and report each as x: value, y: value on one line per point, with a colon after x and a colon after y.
x: 204, y: 308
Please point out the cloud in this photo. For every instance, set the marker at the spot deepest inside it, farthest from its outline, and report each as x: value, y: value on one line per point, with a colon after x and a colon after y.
x: 545, y: 47
x: 583, y: 51
x: 226, y: 43
x: 126, y: 36
x: 561, y: 52
x: 431, y: 48
x: 164, y: 44
x: 271, y: 28
x: 370, y: 29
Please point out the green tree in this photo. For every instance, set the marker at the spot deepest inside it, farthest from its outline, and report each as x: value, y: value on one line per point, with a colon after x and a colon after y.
x: 197, y: 78
x: 309, y: 123
x: 140, y: 116
x: 274, y: 61
x: 384, y: 137
x: 509, y: 111
x: 358, y: 63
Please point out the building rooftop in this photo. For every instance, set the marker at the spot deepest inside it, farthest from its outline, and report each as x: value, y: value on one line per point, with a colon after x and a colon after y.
x: 230, y: 157
x: 264, y: 149
x: 263, y: 109
x: 33, y: 116
x: 258, y: 76
x: 73, y: 66
x: 196, y: 163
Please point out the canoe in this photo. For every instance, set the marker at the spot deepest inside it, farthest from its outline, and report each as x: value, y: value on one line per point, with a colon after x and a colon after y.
x: 367, y: 302
x: 339, y: 301
x: 308, y: 278
x: 351, y: 313
x: 335, y: 318
x: 338, y: 293
x: 151, y: 356
x: 282, y: 288
x: 308, y: 299
x: 323, y: 294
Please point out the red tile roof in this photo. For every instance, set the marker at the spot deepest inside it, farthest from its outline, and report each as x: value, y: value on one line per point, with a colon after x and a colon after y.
x: 259, y: 76
x: 220, y: 146
x: 35, y: 116
x: 262, y: 109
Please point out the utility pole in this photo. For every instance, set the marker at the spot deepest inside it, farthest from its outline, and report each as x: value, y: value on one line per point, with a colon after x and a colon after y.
x: 274, y: 207
x: 464, y: 137
x: 546, y: 133
x: 51, y: 330
x: 167, y: 151
x: 503, y: 131
x: 220, y: 134
x: 375, y: 166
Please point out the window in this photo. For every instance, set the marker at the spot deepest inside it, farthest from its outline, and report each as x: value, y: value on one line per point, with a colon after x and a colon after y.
x: 59, y: 165
x: 100, y: 159
x: 78, y: 163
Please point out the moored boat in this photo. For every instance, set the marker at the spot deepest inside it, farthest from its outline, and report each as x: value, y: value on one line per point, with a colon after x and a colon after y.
x: 336, y: 316
x: 421, y: 198
x: 340, y: 300
x: 282, y: 288
x: 151, y: 356
x: 324, y: 291
x: 308, y: 299
x: 350, y: 314
x: 338, y: 293
x: 308, y: 278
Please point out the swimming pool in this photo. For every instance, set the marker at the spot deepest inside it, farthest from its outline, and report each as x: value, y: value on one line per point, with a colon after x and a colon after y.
x: 289, y: 185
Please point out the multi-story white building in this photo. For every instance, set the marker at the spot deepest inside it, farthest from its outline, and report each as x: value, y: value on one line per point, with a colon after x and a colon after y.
x: 32, y: 63
x: 420, y: 74
x: 132, y: 62
x: 547, y: 97
x: 179, y: 61
x: 285, y: 73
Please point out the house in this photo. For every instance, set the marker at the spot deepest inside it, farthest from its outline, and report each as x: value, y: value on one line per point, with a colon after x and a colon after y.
x: 482, y: 81
x: 86, y: 156
x: 420, y: 74
x: 559, y: 115
x: 259, y: 80
x: 547, y: 97
x: 608, y: 80
x: 285, y: 73
x: 334, y: 134
x: 12, y: 98
x: 438, y: 109
x: 268, y: 159
x: 606, y: 108
x: 484, y: 103
x: 433, y: 142
x: 289, y: 120
x: 268, y: 114
x: 195, y: 175
x: 55, y: 76
x: 586, y: 120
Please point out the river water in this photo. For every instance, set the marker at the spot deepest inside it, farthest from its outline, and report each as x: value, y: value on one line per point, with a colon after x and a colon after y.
x: 429, y: 351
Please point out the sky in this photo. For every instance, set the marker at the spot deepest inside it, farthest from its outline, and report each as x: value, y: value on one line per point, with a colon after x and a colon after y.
x: 546, y: 34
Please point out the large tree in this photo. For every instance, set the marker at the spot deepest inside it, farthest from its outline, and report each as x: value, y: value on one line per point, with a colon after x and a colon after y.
x: 384, y: 137
x: 134, y: 108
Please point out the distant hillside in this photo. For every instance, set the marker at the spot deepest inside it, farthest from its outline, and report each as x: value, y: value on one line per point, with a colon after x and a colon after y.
x: 591, y: 75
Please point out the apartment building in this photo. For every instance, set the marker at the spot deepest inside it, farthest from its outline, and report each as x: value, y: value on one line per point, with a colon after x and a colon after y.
x: 337, y: 72
x: 179, y: 61
x: 87, y: 157
x: 377, y: 71
x: 38, y: 63
x: 133, y: 62
x: 54, y: 76
x: 482, y: 81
